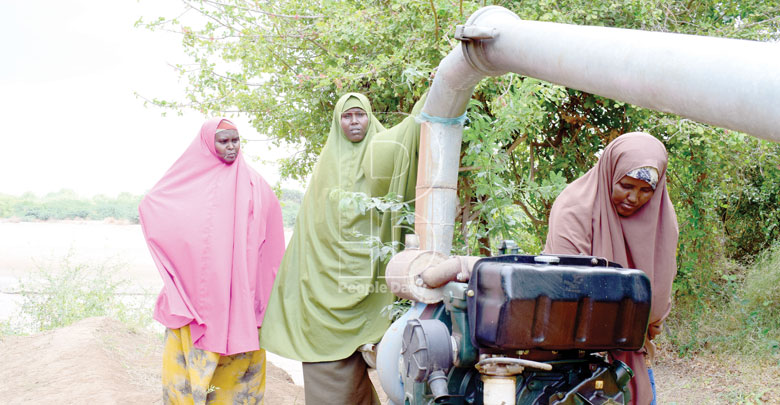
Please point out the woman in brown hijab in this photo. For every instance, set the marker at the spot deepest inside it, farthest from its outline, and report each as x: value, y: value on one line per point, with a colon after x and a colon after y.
x: 620, y: 210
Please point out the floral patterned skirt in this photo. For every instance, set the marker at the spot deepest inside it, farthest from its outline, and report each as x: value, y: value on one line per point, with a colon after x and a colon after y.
x: 194, y: 376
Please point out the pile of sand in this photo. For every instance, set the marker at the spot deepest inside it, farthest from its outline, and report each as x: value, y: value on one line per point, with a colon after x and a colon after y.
x: 98, y: 361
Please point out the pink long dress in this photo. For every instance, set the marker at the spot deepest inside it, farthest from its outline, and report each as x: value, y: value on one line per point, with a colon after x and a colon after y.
x: 216, y: 235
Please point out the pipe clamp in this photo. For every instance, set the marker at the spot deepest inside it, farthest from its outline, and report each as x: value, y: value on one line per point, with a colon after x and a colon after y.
x: 470, y: 32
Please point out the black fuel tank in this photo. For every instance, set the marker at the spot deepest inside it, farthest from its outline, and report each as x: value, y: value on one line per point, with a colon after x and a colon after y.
x: 556, y: 302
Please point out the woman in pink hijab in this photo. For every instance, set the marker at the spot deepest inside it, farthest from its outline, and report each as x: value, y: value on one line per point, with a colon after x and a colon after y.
x: 620, y: 210
x: 214, y: 229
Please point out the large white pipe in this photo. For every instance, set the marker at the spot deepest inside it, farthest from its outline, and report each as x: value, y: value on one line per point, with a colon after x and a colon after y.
x: 728, y: 83
x: 437, y: 185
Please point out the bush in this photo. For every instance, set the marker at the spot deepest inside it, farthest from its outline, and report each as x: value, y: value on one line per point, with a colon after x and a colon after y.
x: 760, y: 298
x: 57, y: 296
x: 294, y: 196
x: 746, y: 322
x: 290, y: 201
x: 289, y: 213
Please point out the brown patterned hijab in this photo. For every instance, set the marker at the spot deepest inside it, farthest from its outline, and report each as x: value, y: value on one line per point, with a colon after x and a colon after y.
x: 583, y: 220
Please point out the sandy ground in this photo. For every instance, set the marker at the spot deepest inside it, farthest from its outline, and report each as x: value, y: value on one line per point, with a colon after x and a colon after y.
x: 100, y: 361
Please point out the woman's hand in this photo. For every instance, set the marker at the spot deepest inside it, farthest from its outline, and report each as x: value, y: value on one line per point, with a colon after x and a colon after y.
x: 655, y: 329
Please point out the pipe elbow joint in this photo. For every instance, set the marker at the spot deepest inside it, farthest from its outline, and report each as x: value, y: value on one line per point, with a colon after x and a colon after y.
x: 482, y: 30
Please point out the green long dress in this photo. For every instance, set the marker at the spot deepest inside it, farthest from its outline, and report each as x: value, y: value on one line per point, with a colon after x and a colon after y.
x: 326, y: 300
x: 329, y: 294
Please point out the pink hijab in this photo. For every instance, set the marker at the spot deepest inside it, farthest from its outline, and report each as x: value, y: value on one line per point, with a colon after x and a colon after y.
x: 215, y: 233
x: 583, y: 220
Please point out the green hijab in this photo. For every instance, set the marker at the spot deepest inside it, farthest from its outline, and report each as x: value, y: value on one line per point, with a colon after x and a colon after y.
x: 329, y: 293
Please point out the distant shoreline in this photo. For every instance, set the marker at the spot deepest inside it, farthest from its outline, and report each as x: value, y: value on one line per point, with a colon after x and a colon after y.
x: 108, y: 220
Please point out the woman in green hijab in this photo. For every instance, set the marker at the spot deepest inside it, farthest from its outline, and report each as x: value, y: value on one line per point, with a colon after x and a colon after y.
x: 329, y: 292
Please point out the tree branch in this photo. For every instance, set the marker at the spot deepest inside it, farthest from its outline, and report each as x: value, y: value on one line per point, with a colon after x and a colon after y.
x: 515, y: 144
x: 435, y: 20
x: 268, y: 13
x: 532, y: 170
x: 528, y: 213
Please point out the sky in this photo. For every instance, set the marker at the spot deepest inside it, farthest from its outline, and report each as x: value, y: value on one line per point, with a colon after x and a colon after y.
x: 68, y: 78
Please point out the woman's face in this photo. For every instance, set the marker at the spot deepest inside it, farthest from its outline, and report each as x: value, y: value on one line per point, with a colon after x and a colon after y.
x: 630, y: 194
x: 354, y: 122
x: 227, y: 144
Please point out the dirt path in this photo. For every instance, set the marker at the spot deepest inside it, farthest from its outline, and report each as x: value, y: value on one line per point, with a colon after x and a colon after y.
x: 98, y: 361
x: 712, y: 379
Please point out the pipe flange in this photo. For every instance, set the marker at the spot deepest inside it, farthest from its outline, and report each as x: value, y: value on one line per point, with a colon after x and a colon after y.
x: 477, y: 33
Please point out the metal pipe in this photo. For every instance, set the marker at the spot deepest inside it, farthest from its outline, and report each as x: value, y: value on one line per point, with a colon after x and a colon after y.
x: 728, y: 83
x: 502, y: 361
x: 457, y: 74
x: 403, y: 271
x: 437, y: 185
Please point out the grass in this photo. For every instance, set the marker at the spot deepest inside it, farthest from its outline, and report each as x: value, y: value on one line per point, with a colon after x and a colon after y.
x: 715, y: 378
x: 61, y: 293
x: 747, y: 323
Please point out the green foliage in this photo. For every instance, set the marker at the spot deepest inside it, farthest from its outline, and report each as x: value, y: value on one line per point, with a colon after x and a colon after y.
x: 522, y: 149
x: 7, y: 329
x: 285, y: 64
x: 362, y: 203
x: 65, y: 292
x: 65, y: 204
x: 397, y: 309
x: 290, y: 200
x: 747, y: 322
x: 762, y: 288
x: 291, y: 196
x: 725, y: 188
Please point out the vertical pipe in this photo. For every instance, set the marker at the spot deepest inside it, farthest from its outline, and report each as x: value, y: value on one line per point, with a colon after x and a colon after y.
x: 440, y: 138
x: 437, y: 183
